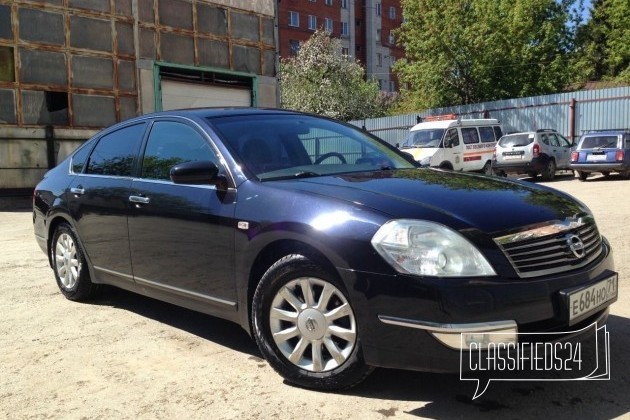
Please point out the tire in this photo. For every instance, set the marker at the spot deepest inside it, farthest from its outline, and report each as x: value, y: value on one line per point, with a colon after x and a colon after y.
x: 582, y: 175
x: 487, y: 168
x: 532, y: 175
x: 69, y: 266
x: 292, y: 297
x: 606, y: 174
x: 549, y: 173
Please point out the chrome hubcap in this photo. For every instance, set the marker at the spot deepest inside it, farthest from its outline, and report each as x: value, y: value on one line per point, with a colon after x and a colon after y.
x: 312, y: 324
x: 66, y: 261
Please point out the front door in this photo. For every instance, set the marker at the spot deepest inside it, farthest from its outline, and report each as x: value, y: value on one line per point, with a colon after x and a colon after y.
x: 181, y: 236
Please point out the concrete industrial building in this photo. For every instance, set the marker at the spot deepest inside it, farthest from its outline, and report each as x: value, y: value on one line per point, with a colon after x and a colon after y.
x: 365, y: 28
x: 71, y: 67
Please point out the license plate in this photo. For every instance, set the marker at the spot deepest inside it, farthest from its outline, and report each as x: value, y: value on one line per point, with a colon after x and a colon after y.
x: 595, y: 158
x: 590, y: 298
x: 509, y: 157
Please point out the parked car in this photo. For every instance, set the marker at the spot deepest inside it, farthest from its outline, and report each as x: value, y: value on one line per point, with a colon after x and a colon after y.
x: 540, y: 152
x: 447, y: 142
x: 329, y: 246
x: 602, y: 151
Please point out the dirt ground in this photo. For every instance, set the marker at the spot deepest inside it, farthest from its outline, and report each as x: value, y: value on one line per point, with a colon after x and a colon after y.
x: 126, y: 356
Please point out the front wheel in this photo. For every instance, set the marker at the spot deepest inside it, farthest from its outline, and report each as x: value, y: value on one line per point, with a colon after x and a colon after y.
x: 305, y: 326
x: 68, y: 262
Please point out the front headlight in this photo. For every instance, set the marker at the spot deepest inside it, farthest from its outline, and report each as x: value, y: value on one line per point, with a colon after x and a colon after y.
x: 429, y: 249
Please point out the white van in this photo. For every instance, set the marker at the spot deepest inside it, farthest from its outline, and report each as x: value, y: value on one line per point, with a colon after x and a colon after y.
x: 449, y: 143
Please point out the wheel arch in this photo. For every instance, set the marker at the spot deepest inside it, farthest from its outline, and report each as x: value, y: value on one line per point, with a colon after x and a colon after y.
x: 271, y: 253
x: 55, y: 221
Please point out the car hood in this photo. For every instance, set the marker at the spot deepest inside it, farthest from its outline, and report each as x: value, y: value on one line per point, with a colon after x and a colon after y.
x: 460, y: 200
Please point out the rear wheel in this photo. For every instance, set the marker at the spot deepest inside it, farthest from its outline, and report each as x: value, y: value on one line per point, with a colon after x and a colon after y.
x: 305, y: 326
x: 549, y: 173
x: 68, y: 261
x: 582, y: 175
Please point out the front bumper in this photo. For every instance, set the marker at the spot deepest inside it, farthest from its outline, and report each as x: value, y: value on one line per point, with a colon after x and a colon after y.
x: 421, y: 305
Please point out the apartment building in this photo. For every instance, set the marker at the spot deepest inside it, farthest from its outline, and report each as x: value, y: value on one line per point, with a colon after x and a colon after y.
x: 71, y: 67
x: 365, y: 28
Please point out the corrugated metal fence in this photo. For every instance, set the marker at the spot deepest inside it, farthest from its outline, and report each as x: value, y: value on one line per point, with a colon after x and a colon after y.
x: 569, y: 113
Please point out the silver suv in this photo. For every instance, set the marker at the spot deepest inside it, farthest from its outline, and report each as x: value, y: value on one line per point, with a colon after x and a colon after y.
x: 532, y: 153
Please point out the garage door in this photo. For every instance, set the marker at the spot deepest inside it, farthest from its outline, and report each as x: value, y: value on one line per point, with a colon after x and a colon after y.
x: 177, y: 95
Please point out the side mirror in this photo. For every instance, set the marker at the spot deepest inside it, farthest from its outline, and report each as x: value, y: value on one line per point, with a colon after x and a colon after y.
x: 200, y: 172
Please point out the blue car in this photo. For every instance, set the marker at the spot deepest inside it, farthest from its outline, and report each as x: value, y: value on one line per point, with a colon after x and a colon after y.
x: 326, y: 244
x: 602, y: 151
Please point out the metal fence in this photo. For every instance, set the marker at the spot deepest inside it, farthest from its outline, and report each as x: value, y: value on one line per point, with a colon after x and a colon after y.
x: 570, y: 114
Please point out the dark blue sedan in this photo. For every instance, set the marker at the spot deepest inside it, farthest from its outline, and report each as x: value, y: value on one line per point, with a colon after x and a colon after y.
x: 329, y: 246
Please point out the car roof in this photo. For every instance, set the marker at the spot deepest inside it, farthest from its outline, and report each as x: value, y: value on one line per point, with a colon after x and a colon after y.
x: 222, y: 112
x: 606, y: 133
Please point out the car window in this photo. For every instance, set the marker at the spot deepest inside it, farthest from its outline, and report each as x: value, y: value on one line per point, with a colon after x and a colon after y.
x: 553, y: 140
x: 563, y: 141
x: 424, y: 138
x: 470, y: 135
x: 171, y: 143
x: 596, y: 142
x: 498, y: 133
x: 115, y: 152
x: 486, y: 134
x: 516, y: 140
x: 452, y: 137
x: 79, y: 158
x: 288, y: 146
x: 545, y: 139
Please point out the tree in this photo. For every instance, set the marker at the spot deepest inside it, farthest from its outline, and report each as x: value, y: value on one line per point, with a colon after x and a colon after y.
x: 603, y: 43
x: 462, y: 51
x: 320, y: 80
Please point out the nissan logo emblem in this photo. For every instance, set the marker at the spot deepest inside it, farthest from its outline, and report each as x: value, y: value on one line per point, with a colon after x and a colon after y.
x: 575, y: 245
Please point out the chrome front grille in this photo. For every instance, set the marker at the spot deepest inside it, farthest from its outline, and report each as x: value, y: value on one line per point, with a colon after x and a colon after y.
x: 557, y: 247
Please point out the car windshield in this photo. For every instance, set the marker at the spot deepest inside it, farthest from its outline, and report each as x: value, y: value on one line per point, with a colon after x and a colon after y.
x: 599, y: 142
x: 423, y: 138
x: 296, y: 146
x: 516, y: 140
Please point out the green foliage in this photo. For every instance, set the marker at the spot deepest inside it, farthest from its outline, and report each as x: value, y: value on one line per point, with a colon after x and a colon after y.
x: 603, y: 44
x: 462, y: 51
x: 320, y: 80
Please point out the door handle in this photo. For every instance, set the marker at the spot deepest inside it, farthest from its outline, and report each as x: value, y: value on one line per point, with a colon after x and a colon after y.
x: 139, y: 200
x: 77, y: 191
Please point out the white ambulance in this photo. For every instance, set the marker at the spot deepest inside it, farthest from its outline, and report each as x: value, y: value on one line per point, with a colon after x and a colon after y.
x: 448, y: 142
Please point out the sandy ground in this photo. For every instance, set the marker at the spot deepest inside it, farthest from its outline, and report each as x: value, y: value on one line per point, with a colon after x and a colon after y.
x: 126, y: 356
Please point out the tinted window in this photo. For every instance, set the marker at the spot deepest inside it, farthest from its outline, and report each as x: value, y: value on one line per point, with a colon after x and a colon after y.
x: 486, y: 134
x: 279, y: 146
x: 545, y: 139
x: 115, y: 152
x: 79, y: 158
x: 553, y: 140
x: 470, y: 135
x: 171, y: 143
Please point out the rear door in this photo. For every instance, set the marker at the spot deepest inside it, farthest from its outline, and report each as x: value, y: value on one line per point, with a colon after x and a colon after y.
x: 99, y: 200
x: 562, y: 151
